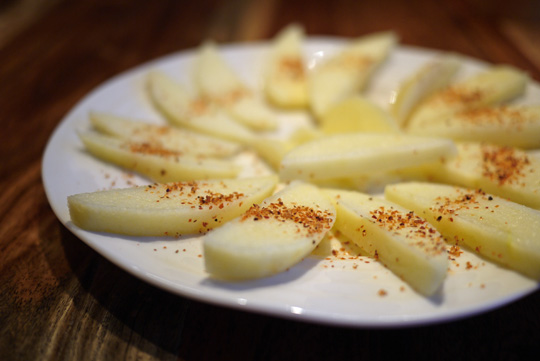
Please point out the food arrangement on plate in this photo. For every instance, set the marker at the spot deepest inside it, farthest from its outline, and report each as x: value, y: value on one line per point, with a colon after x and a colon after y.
x: 445, y: 165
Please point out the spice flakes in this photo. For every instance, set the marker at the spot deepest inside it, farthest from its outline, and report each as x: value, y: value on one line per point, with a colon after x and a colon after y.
x: 505, y: 165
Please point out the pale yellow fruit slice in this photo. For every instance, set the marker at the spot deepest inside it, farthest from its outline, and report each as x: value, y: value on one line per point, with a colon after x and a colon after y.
x: 503, y: 231
x: 352, y: 155
x: 217, y: 82
x: 493, y: 86
x: 430, y: 78
x: 285, y: 78
x: 176, y: 139
x: 357, y: 114
x: 504, y: 171
x: 172, y: 209
x: 516, y: 126
x: 404, y: 242
x: 158, y: 163
x: 271, y: 237
x: 347, y: 72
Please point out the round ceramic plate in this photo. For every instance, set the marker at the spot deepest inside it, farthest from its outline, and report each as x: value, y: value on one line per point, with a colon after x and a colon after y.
x: 333, y: 290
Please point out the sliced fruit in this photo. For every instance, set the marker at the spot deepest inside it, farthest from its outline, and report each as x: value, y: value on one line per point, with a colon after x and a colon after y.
x: 357, y: 114
x: 502, y: 231
x: 177, y: 139
x: 158, y: 163
x: 496, y: 85
x: 352, y: 155
x: 170, y: 209
x: 271, y: 237
x: 515, y: 126
x: 404, y: 242
x: 286, y: 81
x: 347, y: 72
x: 218, y: 83
x: 430, y: 78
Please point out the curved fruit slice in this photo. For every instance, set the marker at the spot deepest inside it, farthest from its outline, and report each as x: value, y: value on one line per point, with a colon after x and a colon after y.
x: 217, y: 82
x: 351, y: 155
x: 286, y: 83
x: 158, y: 163
x: 494, y: 86
x: 407, y: 244
x: 271, y: 237
x: 357, y: 114
x: 347, y: 72
x: 430, y: 78
x: 516, y: 126
x: 177, y: 139
x: 170, y: 209
x: 505, y: 232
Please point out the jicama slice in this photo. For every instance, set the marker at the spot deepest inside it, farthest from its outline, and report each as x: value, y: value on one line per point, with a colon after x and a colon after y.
x: 503, y: 231
x: 404, y: 242
x: 158, y: 163
x: 271, y: 237
x: 351, y: 155
x: 172, y: 209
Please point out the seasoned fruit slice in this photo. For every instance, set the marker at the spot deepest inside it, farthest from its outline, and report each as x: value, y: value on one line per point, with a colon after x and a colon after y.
x: 494, y: 86
x: 430, y: 78
x: 168, y: 209
x: 158, y: 163
x: 516, y: 126
x: 357, y: 114
x: 176, y: 139
x: 217, y: 82
x: 505, y: 232
x: 351, y: 155
x: 271, y: 237
x: 347, y: 72
x: 504, y: 171
x: 406, y: 243
x: 286, y: 83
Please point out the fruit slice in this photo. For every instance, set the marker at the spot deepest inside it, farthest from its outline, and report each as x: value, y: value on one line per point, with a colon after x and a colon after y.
x: 516, y: 126
x: 176, y: 139
x: 158, y: 163
x: 271, y: 237
x: 347, y: 72
x: 352, y: 155
x: 505, y: 232
x: 286, y: 83
x: 401, y: 240
x: 357, y: 114
x: 430, y: 78
x: 217, y: 82
x: 494, y: 86
x: 170, y: 209
x: 504, y: 171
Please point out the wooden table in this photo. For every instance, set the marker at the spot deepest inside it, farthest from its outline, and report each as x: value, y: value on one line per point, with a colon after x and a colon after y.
x: 60, y: 300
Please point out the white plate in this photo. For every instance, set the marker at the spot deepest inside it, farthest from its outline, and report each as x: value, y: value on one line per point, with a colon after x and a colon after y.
x: 330, y: 291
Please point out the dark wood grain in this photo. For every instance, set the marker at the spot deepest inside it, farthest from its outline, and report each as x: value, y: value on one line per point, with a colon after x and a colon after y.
x: 60, y: 300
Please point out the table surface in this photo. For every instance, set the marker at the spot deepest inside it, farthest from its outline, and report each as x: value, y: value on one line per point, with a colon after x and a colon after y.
x: 60, y: 300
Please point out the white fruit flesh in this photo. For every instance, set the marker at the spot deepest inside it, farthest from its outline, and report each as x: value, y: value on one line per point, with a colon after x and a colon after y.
x: 168, y: 209
x: 505, y: 232
x: 271, y: 237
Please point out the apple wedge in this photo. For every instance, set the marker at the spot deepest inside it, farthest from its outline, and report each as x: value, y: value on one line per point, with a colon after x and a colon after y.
x: 358, y: 154
x: 158, y: 163
x: 271, y: 237
x: 430, y: 78
x: 502, y: 231
x: 493, y: 86
x: 176, y: 139
x: 285, y: 78
x: 347, y: 72
x: 404, y: 242
x: 218, y: 83
x: 172, y: 209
